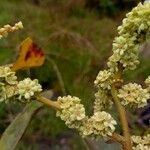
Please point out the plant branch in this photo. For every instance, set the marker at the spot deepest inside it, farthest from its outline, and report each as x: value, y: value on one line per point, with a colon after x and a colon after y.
x: 123, y: 119
x: 49, y: 102
x: 118, y: 138
x: 115, y: 137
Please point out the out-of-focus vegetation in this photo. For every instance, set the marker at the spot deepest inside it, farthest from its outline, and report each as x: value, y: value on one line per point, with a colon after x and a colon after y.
x: 76, y: 36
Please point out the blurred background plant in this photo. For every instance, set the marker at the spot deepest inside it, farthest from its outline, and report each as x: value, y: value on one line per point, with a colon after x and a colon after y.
x: 76, y: 36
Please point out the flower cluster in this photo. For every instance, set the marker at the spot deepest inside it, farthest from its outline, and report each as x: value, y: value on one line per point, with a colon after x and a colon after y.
x: 27, y: 89
x: 7, y: 76
x: 103, y: 101
x: 72, y: 111
x: 134, y: 95
x: 104, y: 79
x: 103, y: 124
x: 100, y: 124
x: 7, y: 28
x: 147, y: 82
x: 8, y: 82
x: 141, y: 143
x: 11, y: 89
x: 132, y: 33
x: 86, y: 129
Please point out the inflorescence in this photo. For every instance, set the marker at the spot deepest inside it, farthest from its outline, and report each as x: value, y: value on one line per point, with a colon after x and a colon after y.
x: 12, y: 90
x: 134, y: 31
x: 141, y: 142
x: 8, y: 28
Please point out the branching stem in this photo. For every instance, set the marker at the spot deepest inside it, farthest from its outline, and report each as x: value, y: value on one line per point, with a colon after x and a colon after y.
x: 123, y: 119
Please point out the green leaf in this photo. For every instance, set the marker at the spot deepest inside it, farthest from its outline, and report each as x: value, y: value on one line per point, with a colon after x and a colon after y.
x: 16, y: 129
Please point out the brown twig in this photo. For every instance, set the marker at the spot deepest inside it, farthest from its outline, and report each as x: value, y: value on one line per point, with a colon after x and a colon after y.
x: 118, y: 138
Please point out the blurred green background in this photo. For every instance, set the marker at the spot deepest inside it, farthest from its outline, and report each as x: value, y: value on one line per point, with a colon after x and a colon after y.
x: 76, y: 36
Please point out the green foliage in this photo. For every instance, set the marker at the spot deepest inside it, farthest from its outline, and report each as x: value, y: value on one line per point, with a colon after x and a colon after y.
x: 3, y: 111
x: 5, y: 55
x: 16, y: 129
x: 77, y: 12
x: 107, y: 7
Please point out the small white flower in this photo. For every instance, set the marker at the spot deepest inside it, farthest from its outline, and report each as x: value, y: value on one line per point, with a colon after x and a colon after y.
x: 7, y: 92
x: 72, y: 112
x: 67, y: 101
x: 141, y: 147
x: 131, y: 34
x: 86, y: 129
x: 147, y: 82
x: 141, y: 142
x: 103, y: 124
x: 18, y: 25
x: 8, y: 75
x: 134, y: 95
x: 7, y: 28
x: 8, y: 83
x: 28, y: 88
x: 104, y: 79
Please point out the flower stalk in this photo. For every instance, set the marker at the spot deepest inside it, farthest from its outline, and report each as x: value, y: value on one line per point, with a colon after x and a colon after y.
x: 123, y: 119
x: 48, y: 102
